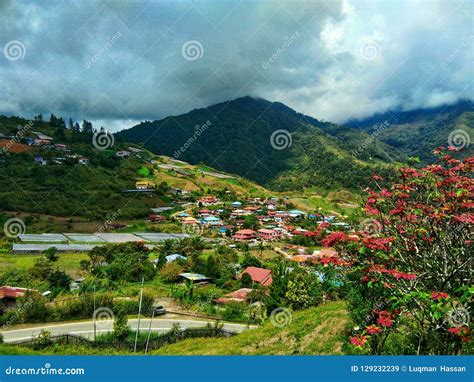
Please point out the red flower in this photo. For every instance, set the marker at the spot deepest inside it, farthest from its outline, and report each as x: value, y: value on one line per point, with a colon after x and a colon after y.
x: 358, y: 340
x: 385, y: 319
x: 373, y: 329
x: 454, y: 331
x: 439, y: 295
x: 335, y: 238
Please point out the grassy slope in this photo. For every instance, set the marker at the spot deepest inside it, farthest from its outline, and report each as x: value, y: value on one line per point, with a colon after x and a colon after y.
x: 317, y: 330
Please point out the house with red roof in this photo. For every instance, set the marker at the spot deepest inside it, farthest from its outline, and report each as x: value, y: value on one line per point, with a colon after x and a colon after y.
x: 240, y: 295
x: 208, y: 200
x: 268, y: 234
x: 9, y: 295
x: 245, y: 234
x: 258, y: 275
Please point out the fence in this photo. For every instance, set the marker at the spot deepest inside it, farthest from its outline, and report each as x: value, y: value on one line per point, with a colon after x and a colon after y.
x: 155, y: 342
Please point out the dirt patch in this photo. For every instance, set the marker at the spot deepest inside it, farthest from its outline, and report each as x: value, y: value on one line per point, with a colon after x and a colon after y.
x: 13, y: 147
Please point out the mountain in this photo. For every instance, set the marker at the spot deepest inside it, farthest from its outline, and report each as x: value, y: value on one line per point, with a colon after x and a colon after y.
x: 236, y: 137
x: 418, y: 132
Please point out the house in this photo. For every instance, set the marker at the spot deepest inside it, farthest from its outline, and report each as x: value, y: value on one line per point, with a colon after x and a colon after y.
x: 41, y: 161
x: 190, y: 220
x: 212, y: 221
x: 194, y: 277
x: 260, y: 276
x: 122, y: 154
x: 9, y: 295
x: 236, y: 204
x: 240, y: 295
x: 144, y: 185
x: 268, y: 234
x: 156, y: 218
x: 60, y: 146
x: 208, y: 200
x: 174, y: 257
x: 245, y: 234
x: 296, y: 213
x: 83, y: 160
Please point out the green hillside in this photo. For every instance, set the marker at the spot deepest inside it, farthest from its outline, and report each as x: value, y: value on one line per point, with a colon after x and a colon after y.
x: 236, y: 137
x: 417, y: 133
x: 318, y: 330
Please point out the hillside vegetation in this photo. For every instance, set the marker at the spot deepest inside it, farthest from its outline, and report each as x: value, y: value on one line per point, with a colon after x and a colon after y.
x: 236, y: 137
x: 318, y: 330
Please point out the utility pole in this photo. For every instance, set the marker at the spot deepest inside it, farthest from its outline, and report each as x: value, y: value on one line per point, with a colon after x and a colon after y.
x: 149, y: 330
x: 94, y: 315
x: 139, y: 312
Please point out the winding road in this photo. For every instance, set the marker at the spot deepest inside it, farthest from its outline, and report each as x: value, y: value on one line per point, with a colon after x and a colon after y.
x: 86, y: 328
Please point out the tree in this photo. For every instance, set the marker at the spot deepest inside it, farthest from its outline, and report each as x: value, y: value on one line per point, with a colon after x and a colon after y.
x: 59, y: 279
x: 302, y: 290
x: 170, y: 271
x: 121, y: 329
x: 42, y: 269
x: 413, y: 268
x: 278, y: 287
x: 246, y: 281
x: 51, y: 254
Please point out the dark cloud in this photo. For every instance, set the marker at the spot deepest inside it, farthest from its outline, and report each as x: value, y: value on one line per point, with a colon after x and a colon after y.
x: 119, y: 62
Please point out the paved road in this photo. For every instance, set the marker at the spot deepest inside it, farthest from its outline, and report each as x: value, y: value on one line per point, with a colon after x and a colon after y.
x: 86, y: 328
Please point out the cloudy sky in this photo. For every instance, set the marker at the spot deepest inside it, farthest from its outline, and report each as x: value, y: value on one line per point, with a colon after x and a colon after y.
x: 117, y: 63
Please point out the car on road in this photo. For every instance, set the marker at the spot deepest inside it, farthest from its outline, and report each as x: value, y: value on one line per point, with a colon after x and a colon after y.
x: 158, y: 310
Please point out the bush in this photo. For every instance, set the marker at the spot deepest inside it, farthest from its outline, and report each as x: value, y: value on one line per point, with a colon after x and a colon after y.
x: 170, y: 272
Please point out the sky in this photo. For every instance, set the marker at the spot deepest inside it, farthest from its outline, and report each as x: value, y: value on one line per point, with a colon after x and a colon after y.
x: 118, y: 63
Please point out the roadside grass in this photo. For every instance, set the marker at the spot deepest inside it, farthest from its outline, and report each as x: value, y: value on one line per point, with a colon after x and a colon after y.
x: 318, y: 330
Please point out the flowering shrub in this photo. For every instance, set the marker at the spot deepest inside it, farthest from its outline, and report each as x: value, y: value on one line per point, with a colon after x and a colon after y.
x: 411, y: 276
